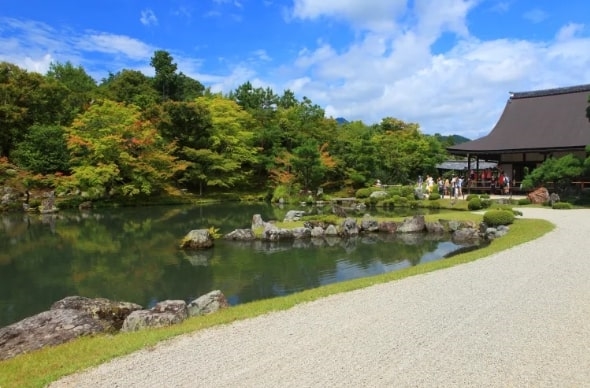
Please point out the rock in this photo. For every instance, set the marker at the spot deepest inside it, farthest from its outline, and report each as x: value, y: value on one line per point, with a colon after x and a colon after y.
x: 48, y: 328
x: 349, y: 227
x: 163, y: 314
x: 369, y: 224
x: 435, y: 227
x: 412, y: 225
x: 317, y: 232
x: 207, y: 304
x: 554, y: 197
x: 293, y: 215
x: 111, y: 313
x: 539, y: 196
x: 197, y: 239
x: 257, y: 221
x: 331, y: 231
x: 388, y: 227
x: 241, y: 235
x: 301, y: 233
x: 465, y: 235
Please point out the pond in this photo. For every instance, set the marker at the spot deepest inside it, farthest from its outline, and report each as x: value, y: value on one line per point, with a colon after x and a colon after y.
x: 132, y: 254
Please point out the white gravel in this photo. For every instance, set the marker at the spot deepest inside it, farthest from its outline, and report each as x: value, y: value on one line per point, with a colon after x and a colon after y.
x: 519, y: 318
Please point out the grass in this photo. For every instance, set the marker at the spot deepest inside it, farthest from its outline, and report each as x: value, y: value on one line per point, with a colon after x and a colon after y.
x: 39, y: 368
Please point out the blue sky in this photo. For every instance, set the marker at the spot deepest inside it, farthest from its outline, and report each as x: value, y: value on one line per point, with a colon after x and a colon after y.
x: 447, y: 65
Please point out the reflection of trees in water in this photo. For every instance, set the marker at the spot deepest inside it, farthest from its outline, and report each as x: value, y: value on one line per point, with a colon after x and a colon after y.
x: 133, y: 255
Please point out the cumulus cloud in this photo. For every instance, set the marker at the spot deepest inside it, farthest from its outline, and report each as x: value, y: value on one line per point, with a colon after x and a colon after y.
x: 148, y: 18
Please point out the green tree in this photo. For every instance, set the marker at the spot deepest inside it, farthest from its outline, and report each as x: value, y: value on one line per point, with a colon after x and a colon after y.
x: 560, y: 171
x: 44, y: 150
x: 232, y: 153
x: 130, y: 87
x: 80, y: 85
x: 307, y: 164
x: 28, y: 98
x: 114, y: 152
x: 165, y: 81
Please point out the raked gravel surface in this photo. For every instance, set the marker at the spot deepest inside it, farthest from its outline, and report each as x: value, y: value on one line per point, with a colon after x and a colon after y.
x: 518, y: 318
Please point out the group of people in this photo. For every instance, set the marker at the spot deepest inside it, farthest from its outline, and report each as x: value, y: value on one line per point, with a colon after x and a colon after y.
x: 452, y: 188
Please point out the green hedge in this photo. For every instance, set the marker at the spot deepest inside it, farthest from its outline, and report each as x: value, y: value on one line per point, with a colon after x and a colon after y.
x: 562, y: 205
x: 498, y: 217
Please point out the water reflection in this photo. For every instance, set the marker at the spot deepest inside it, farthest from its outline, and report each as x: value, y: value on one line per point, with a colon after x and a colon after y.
x: 132, y: 254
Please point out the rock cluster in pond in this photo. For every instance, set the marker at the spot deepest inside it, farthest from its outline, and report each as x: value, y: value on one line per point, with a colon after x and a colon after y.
x: 77, y: 316
x: 461, y: 231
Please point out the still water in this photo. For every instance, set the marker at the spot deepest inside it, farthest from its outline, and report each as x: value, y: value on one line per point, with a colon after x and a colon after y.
x: 132, y: 254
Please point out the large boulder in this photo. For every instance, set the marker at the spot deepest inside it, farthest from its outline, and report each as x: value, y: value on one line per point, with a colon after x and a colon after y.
x: 197, y: 239
x: 112, y: 314
x: 48, y: 328
x: 207, y: 304
x: 166, y: 313
x: 412, y: 225
x: 539, y: 196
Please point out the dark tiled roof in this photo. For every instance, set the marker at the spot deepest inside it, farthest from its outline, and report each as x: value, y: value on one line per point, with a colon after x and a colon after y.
x: 551, y: 119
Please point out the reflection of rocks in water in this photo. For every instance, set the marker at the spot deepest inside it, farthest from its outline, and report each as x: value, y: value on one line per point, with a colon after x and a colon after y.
x: 199, y: 258
x: 271, y: 246
x: 301, y: 243
x: 49, y: 219
x: 411, y: 238
x: 332, y: 241
x: 318, y: 242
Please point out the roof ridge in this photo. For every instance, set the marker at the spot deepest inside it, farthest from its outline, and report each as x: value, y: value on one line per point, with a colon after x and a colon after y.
x: 551, y: 92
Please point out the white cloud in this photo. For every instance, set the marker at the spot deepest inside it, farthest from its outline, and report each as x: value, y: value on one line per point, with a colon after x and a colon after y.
x: 373, y: 15
x: 115, y: 44
x: 148, y: 18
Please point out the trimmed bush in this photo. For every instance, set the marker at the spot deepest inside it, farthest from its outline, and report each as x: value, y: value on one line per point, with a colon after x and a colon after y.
x: 498, y: 217
x: 433, y: 196
x: 474, y: 204
x: 471, y: 196
x: 562, y: 205
x: 363, y: 193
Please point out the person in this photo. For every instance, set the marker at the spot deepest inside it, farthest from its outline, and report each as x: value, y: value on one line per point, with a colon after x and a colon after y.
x: 447, y: 186
x: 460, y: 188
x: 378, y: 183
x: 441, y: 187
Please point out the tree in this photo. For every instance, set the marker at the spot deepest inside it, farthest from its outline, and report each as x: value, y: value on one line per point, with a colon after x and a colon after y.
x: 165, y: 81
x: 80, y: 85
x: 130, y: 87
x: 44, y: 150
x: 114, y: 152
x: 561, y: 171
x: 231, y: 144
x: 28, y: 98
x: 307, y: 164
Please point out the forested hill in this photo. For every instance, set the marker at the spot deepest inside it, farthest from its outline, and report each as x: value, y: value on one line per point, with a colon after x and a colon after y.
x: 131, y: 134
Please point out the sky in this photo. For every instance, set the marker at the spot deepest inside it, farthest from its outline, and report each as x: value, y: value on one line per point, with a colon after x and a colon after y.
x: 447, y: 65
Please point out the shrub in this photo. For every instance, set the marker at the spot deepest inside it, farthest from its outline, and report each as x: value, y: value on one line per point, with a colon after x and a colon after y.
x: 281, y: 191
x: 485, y: 196
x: 498, y: 217
x: 474, y: 204
x: 402, y: 202
x: 471, y: 196
x: 562, y: 205
x: 434, y: 205
x: 486, y: 203
x: 433, y: 196
x: 524, y: 201
x: 363, y: 193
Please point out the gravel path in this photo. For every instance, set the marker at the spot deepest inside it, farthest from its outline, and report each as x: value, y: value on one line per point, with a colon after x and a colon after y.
x: 517, y: 318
